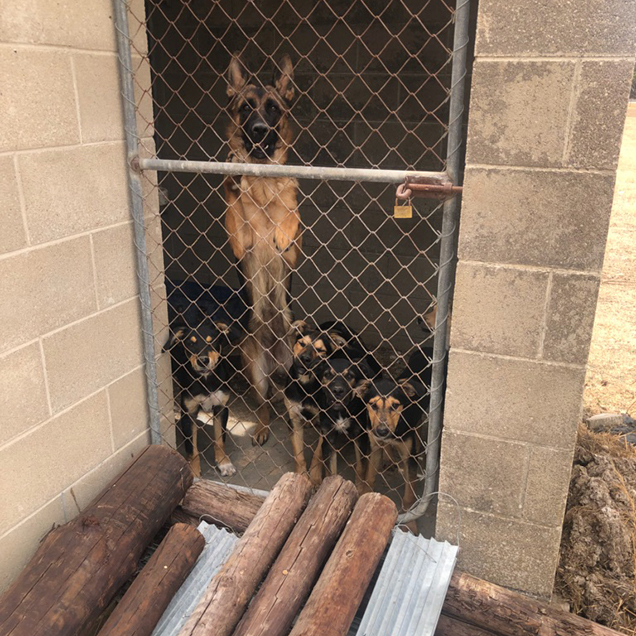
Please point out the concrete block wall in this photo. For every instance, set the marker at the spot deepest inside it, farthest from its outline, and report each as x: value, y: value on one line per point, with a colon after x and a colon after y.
x: 72, y: 398
x: 549, y: 95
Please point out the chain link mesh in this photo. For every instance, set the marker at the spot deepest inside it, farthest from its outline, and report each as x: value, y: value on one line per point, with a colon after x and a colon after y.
x: 372, y: 82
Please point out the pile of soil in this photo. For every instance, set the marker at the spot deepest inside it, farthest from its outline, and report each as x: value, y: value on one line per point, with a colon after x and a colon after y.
x: 596, y: 574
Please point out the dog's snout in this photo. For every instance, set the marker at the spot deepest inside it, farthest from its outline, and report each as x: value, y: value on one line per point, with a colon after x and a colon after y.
x: 259, y: 129
x: 382, y: 431
x: 204, y: 360
x: 338, y: 390
x: 305, y: 357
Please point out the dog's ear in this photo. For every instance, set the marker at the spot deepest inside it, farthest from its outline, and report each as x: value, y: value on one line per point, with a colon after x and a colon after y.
x: 176, y: 335
x: 283, y: 83
x: 409, y: 390
x: 231, y: 332
x: 338, y: 340
x: 364, y: 368
x: 236, y: 79
x: 299, y: 328
x: 427, y: 321
x: 362, y: 389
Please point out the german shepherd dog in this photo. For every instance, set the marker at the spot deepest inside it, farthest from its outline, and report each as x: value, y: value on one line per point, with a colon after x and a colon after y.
x: 263, y: 225
x: 302, y: 385
x: 201, y: 374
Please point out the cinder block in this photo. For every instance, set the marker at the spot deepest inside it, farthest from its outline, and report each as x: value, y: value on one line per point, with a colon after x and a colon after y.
x: 484, y: 474
x: 571, y: 312
x: 19, y: 545
x: 13, y: 235
x: 74, y: 190
x: 40, y: 465
x: 81, y: 494
x: 498, y: 309
x: 23, y: 402
x: 543, y: 218
x: 37, y: 99
x: 513, y: 399
x: 115, y: 264
x: 84, y: 25
x: 515, y: 554
x: 43, y: 289
x: 92, y: 353
x: 566, y: 28
x: 524, y: 121
x: 597, y: 122
x: 128, y: 407
x: 97, y: 81
x: 547, y: 487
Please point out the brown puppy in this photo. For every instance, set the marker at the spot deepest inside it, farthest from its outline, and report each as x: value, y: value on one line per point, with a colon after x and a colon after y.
x: 263, y: 225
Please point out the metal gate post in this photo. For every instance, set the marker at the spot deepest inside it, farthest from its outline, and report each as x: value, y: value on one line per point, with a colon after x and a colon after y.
x: 447, y: 259
x: 120, y: 8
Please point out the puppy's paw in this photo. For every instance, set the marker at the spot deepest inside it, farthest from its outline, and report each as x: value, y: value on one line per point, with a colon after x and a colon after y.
x: 226, y: 468
x: 260, y: 437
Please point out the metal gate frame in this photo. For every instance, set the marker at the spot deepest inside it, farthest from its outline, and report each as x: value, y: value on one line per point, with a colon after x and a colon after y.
x: 436, y: 184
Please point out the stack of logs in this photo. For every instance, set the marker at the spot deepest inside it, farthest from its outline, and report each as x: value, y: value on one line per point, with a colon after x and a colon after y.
x: 301, y: 567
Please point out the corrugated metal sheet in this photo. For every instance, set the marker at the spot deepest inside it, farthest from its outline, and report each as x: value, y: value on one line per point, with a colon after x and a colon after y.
x: 408, y: 596
x: 218, y: 545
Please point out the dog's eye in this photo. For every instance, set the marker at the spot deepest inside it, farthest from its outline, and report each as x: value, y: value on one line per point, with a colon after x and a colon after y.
x: 394, y: 407
x: 245, y: 107
x: 272, y: 108
x: 374, y: 406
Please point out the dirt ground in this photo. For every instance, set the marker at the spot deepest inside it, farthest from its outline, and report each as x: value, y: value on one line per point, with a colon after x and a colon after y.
x: 611, y: 376
x: 596, y: 574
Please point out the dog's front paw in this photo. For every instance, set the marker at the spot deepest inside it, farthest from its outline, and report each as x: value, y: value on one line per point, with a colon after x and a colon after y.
x: 226, y: 468
x: 260, y: 436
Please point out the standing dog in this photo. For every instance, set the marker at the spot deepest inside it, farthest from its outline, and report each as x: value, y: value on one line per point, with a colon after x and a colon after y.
x: 263, y: 225
x: 342, y: 416
x: 201, y: 375
x: 394, y: 414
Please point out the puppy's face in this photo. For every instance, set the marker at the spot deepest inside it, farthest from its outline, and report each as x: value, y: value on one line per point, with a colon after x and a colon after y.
x: 339, y: 378
x: 385, y: 402
x: 259, y: 131
x: 202, y: 345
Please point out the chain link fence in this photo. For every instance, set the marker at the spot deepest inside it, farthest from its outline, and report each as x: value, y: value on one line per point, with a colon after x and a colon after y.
x: 372, y: 86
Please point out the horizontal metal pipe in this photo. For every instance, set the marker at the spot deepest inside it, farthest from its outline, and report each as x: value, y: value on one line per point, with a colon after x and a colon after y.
x: 298, y: 172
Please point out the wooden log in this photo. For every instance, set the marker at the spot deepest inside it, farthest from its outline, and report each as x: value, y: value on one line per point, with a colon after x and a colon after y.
x: 341, y: 586
x: 79, y: 567
x: 144, y: 603
x: 221, y: 505
x: 178, y: 516
x: 449, y: 626
x: 229, y: 592
x: 296, y: 569
x: 506, y: 613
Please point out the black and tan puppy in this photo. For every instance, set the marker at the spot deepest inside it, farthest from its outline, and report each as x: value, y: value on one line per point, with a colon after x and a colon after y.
x: 201, y: 374
x: 394, y: 412
x: 302, y: 385
x: 263, y: 225
x: 342, y: 416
